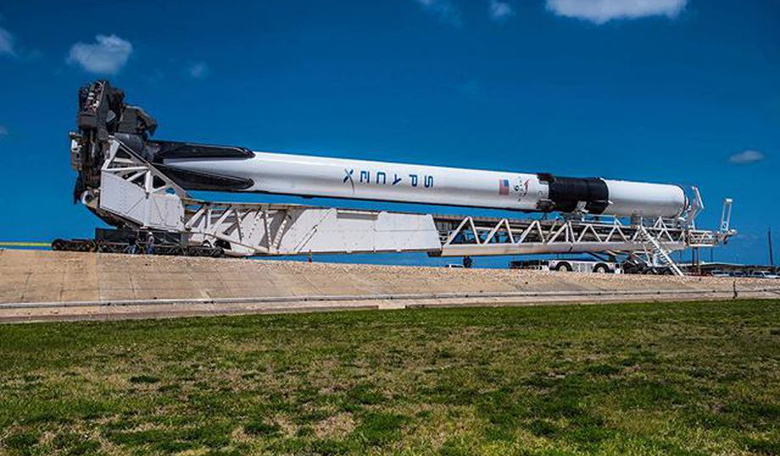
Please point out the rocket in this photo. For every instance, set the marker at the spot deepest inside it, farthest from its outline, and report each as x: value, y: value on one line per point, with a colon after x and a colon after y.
x: 240, y: 170
x: 103, y: 113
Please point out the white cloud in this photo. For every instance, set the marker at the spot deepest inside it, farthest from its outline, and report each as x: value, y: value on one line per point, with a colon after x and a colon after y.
x: 6, y: 42
x: 107, y: 56
x: 443, y: 9
x: 198, y: 70
x: 3, y: 130
x: 747, y: 156
x: 500, y: 11
x: 601, y: 11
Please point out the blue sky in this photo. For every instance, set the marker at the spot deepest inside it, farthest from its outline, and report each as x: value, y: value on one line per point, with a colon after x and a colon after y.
x: 683, y: 91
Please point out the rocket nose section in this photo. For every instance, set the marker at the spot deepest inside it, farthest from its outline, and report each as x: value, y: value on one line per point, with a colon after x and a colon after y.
x: 646, y: 199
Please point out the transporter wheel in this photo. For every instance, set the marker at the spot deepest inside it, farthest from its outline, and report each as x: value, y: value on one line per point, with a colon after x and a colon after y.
x: 84, y: 246
x: 58, y: 244
x: 563, y: 267
x: 601, y: 269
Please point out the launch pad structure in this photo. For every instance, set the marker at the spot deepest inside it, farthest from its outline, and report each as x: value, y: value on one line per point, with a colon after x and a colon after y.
x: 140, y: 187
x: 133, y: 193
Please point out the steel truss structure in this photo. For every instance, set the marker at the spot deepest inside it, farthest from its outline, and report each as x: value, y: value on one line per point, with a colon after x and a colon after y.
x: 517, y: 237
x: 134, y: 194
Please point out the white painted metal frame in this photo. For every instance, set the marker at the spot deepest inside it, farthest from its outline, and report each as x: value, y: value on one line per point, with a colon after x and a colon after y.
x: 284, y: 229
x: 135, y: 192
x: 474, y: 237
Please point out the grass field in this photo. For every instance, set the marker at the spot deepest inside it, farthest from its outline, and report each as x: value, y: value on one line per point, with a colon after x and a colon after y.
x: 655, y: 379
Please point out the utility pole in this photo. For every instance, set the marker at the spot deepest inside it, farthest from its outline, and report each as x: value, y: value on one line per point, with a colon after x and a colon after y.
x: 771, y: 254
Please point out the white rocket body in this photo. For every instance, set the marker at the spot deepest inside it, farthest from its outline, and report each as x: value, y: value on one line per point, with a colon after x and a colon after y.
x: 312, y: 176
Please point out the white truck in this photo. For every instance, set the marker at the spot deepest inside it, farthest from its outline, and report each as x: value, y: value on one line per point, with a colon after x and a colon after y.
x: 569, y: 265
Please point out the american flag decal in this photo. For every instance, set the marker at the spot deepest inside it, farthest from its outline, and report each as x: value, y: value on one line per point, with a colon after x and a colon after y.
x: 503, y: 186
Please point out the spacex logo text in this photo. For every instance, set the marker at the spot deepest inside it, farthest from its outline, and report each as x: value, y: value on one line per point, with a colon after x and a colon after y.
x: 383, y: 178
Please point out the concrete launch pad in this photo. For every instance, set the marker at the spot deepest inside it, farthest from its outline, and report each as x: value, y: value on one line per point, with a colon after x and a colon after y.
x: 45, y: 285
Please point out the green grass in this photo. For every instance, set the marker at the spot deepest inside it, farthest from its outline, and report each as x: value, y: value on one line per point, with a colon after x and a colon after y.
x: 649, y: 379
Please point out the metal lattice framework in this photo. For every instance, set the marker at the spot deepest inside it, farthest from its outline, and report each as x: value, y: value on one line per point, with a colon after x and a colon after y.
x: 286, y: 229
x: 480, y: 236
x: 134, y: 193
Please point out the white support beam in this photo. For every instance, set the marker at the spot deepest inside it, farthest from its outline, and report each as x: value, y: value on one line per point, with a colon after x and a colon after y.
x: 134, y: 191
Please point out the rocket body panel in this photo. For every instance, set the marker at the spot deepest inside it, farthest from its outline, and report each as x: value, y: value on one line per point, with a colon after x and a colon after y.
x: 645, y: 199
x: 311, y: 176
x: 368, y: 180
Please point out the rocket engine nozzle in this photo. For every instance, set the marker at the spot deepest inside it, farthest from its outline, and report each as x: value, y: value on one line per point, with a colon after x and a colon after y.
x: 103, y: 113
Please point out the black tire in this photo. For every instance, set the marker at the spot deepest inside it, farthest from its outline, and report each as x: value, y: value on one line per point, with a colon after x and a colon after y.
x: 563, y: 267
x: 601, y: 269
x: 82, y: 246
x: 58, y: 244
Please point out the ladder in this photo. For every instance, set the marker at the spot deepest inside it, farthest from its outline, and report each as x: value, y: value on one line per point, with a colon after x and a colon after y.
x: 660, y: 252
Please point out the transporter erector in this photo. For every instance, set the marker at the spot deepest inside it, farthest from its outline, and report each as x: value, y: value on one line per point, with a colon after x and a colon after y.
x: 237, y: 169
x: 137, y: 183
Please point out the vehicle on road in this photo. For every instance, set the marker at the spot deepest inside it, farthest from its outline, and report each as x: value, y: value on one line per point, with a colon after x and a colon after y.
x: 569, y: 265
x: 763, y: 275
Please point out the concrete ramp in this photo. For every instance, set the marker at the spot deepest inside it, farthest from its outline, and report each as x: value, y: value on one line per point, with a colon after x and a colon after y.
x: 41, y: 285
